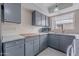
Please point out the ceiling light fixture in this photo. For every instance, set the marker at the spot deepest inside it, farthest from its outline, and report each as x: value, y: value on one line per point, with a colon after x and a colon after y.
x: 56, y: 8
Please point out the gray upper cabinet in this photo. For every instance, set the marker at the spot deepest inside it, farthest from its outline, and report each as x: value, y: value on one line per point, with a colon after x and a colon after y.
x: 36, y: 18
x: 39, y: 19
x: 47, y: 21
x: 36, y: 45
x: 43, y: 42
x: 12, y: 12
x: 43, y: 20
x: 29, y: 47
x: 2, y: 12
x: 14, y: 48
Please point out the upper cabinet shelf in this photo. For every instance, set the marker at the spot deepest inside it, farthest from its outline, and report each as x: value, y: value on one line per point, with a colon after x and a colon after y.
x: 36, y: 18
x: 39, y: 19
x: 11, y: 12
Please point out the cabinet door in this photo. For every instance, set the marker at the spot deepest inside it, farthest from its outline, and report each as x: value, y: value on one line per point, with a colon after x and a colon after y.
x: 65, y: 41
x: 47, y: 21
x: 43, y: 42
x: 43, y: 20
x: 17, y: 50
x: 12, y: 12
x: 36, y: 46
x: 38, y: 18
x: 29, y: 48
x: 53, y: 41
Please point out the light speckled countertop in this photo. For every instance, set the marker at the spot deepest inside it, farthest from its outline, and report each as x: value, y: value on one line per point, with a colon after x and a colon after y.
x: 8, y: 38
x: 17, y: 37
x: 76, y: 35
x: 11, y: 38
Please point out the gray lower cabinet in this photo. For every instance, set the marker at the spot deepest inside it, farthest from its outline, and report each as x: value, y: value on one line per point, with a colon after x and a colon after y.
x: 32, y: 46
x: 14, y: 48
x: 65, y: 41
x: 60, y: 42
x: 53, y: 41
x: 36, y: 45
x: 43, y: 42
x: 29, y: 47
x: 17, y: 50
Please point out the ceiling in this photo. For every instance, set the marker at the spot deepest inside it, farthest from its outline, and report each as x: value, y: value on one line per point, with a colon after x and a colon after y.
x: 47, y: 8
x: 44, y: 6
x: 41, y: 7
x: 60, y: 6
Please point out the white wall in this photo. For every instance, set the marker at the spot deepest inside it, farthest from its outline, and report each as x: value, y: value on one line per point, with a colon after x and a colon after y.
x: 61, y: 19
x: 26, y: 19
x: 72, y: 27
x: 76, y: 22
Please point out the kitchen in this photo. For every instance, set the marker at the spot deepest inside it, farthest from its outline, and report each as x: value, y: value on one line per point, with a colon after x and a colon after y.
x: 38, y: 29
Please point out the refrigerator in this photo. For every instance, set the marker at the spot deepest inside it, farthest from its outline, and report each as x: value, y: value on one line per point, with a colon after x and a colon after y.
x: 0, y: 33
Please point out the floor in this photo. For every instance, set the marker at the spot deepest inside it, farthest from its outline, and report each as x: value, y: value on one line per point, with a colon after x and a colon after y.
x: 51, y: 52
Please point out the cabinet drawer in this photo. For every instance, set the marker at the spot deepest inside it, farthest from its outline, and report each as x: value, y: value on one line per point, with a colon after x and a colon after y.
x: 29, y: 39
x: 13, y: 43
x: 32, y: 38
x: 53, y: 41
x: 68, y: 37
x: 54, y: 36
x: 43, y: 36
x: 17, y: 50
x: 29, y: 42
